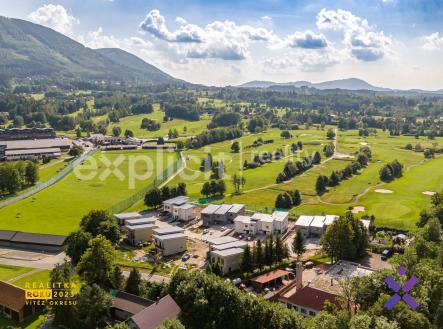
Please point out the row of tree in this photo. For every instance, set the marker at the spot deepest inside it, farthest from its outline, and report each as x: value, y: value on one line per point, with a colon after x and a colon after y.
x: 292, y: 169
x: 156, y: 196
x: 288, y: 199
x: 213, y: 188
x: 391, y: 171
x: 17, y: 175
x: 213, y: 136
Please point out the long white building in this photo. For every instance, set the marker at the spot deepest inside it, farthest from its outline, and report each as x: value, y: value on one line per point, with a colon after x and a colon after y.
x: 259, y: 223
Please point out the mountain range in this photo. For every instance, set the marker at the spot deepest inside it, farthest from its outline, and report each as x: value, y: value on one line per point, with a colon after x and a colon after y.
x: 32, y: 50
x: 352, y: 84
x: 29, y: 50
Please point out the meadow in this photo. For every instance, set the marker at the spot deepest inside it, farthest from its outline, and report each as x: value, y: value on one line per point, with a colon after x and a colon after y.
x: 184, y: 127
x: 59, y: 208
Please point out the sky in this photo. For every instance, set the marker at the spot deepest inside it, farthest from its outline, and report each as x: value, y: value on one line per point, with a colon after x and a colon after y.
x: 388, y: 43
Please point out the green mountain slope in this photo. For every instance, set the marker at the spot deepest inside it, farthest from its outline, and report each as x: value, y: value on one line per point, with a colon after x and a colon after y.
x: 32, y: 50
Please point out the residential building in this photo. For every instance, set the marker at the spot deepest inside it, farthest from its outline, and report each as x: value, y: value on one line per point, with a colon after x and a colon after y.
x: 228, y: 260
x: 136, y: 234
x: 155, y: 314
x: 123, y: 217
x: 168, y: 205
x: 141, y: 221
x: 10, y: 134
x: 317, y: 226
x: 314, y: 226
x: 170, y: 240
x: 13, y: 303
x: 184, y: 212
x: 125, y: 305
x: 208, y: 214
x: 259, y: 223
x: 303, y: 223
x: 221, y: 214
x: 307, y: 300
x: 236, y: 210
x: 221, y: 240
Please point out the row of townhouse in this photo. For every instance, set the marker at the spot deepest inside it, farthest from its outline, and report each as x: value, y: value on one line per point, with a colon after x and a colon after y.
x: 259, y: 223
x: 221, y: 213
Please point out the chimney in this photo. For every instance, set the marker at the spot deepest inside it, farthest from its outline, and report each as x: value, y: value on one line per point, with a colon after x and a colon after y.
x: 299, y: 275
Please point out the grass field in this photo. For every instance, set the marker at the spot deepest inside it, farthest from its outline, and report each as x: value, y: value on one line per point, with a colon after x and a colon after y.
x: 134, y: 122
x: 59, y: 208
x: 399, y: 209
x: 49, y: 170
x: 8, y: 272
x: 38, y: 277
x: 255, y: 178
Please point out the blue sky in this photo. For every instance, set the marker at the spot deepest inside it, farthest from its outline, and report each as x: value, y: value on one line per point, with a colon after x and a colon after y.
x: 392, y: 43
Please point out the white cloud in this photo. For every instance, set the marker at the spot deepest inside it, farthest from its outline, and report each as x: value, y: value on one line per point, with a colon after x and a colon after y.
x: 180, y: 20
x: 307, y: 40
x: 224, y: 40
x: 434, y: 41
x: 266, y: 18
x: 360, y: 39
x: 55, y: 17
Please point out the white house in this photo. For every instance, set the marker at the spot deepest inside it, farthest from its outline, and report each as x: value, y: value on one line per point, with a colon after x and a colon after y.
x: 303, y: 223
x: 184, y: 213
x: 259, y: 223
x: 317, y: 226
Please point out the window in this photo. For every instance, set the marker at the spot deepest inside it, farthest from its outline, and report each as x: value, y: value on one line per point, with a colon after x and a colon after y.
x: 311, y: 313
x: 302, y: 310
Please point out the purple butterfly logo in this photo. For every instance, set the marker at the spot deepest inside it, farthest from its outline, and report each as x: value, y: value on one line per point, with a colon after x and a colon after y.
x: 405, y: 288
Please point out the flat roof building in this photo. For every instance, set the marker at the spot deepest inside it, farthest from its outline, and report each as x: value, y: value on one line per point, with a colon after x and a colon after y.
x: 228, y: 260
x: 260, y: 223
x: 221, y: 214
x: 32, y: 241
x: 170, y: 240
x: 314, y: 226
x: 184, y: 212
x: 141, y: 221
x: 139, y: 233
x: 127, y: 215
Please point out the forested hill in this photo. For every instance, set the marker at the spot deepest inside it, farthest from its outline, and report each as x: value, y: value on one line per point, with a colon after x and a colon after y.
x: 32, y: 50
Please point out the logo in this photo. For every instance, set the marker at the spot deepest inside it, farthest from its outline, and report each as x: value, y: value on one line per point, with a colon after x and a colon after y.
x: 46, y: 293
x: 404, y: 289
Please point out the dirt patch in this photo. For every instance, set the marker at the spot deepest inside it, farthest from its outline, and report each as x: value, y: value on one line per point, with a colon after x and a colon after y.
x: 305, y: 135
x: 383, y: 191
x: 364, y: 143
x: 430, y: 193
x: 358, y: 209
x: 342, y: 156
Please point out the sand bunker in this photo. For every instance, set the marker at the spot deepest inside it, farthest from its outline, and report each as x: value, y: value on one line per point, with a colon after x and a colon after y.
x: 358, y: 209
x: 429, y: 193
x: 384, y: 191
x: 305, y: 135
x: 364, y: 143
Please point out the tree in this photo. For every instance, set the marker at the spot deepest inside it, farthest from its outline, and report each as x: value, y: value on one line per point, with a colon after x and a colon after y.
x: 129, y: 133
x: 93, y: 305
x: 221, y: 187
x: 31, y: 173
x: 334, y: 179
x: 171, y: 324
x: 317, y: 158
x: 61, y: 273
x: 432, y: 230
x: 116, y: 131
x: 440, y: 255
x: 181, y: 189
x: 298, y: 244
x: 239, y: 182
x: 235, y: 147
x: 153, y: 198
x: 246, y: 264
x: 77, y: 245
x: 100, y: 222
x: 259, y: 258
x: 330, y: 134
x: 133, y: 283
x: 206, y: 189
x: 76, y: 151
x: 320, y: 185
x: 97, y: 263
x: 279, y: 249
x: 117, y: 279
x: 285, y: 134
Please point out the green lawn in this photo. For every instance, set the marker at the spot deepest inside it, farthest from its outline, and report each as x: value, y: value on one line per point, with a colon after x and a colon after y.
x: 49, y: 170
x: 59, y: 208
x: 133, y: 123
x: 399, y: 209
x: 255, y: 178
x: 38, y: 277
x: 8, y: 272
x: 32, y: 323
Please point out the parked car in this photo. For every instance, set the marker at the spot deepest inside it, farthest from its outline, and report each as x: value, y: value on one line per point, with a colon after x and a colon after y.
x: 223, y: 228
x: 205, y: 231
x: 387, y: 253
x: 186, y: 257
